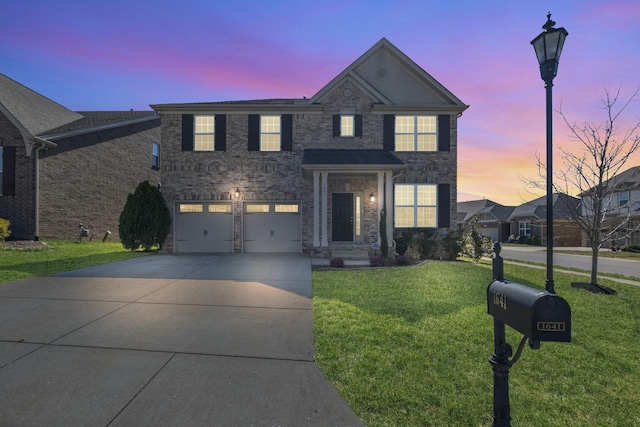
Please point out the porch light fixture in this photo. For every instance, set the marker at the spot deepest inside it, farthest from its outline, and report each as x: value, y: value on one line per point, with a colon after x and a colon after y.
x: 372, y: 197
x: 237, y: 193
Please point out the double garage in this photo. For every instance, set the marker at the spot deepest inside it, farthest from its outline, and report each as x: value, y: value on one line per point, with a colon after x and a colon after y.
x: 265, y: 227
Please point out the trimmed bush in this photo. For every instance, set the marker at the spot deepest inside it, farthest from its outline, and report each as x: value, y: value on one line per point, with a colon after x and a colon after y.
x: 145, y: 219
x: 377, y: 261
x: 452, y: 244
x: 336, y: 262
x: 4, y: 229
x: 403, y: 260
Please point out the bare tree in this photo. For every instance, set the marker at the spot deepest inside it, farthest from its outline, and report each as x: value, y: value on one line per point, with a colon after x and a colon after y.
x: 595, y: 171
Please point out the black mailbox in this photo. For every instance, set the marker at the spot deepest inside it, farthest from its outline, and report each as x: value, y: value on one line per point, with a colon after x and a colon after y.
x: 537, y: 314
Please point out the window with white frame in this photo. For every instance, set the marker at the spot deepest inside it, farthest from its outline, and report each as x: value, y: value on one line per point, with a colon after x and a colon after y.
x: 623, y: 199
x: 155, y: 155
x: 204, y: 133
x: 347, y: 125
x: 415, y: 205
x: 524, y: 228
x: 270, y: 133
x: 416, y: 133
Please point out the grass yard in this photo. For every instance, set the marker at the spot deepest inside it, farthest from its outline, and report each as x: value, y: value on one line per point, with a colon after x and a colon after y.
x: 409, y: 347
x: 62, y: 256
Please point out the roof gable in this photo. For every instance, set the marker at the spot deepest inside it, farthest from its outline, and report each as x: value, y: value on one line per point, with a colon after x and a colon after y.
x: 394, y: 79
x: 30, y: 111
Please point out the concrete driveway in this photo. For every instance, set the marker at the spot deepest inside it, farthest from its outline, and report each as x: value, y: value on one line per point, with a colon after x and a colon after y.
x: 166, y: 340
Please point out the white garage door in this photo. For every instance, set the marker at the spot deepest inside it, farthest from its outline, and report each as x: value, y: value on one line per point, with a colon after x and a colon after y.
x: 272, y: 227
x: 204, y: 227
x: 490, y: 232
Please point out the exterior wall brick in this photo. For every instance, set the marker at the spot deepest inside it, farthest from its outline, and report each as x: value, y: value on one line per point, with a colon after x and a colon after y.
x: 87, y: 178
x: 20, y: 208
x: 277, y: 176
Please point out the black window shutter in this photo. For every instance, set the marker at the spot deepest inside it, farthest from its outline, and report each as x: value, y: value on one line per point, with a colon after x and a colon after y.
x: 254, y: 132
x: 357, y: 123
x: 336, y: 125
x: 220, y: 132
x: 187, y: 132
x: 444, y: 132
x: 9, y: 171
x: 444, y: 205
x: 388, y: 132
x: 286, y: 130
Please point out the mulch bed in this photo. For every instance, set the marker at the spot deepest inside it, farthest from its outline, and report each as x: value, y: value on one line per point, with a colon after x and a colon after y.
x: 596, y: 289
x: 24, y: 244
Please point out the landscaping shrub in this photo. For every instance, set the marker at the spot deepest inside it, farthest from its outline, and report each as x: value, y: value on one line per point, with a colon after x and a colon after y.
x: 4, y: 229
x: 632, y: 248
x: 377, y: 261
x: 475, y: 244
x: 452, y: 244
x: 336, y: 262
x: 422, y: 243
x: 403, y: 260
x: 535, y: 241
x: 145, y: 219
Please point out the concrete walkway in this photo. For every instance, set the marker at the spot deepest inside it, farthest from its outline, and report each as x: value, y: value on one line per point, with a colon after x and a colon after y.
x: 166, y: 340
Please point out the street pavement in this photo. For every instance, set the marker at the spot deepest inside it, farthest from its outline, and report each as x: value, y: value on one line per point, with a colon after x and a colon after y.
x: 166, y: 340
x: 538, y: 254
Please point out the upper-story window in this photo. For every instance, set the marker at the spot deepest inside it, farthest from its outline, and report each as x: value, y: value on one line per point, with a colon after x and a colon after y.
x: 415, y: 205
x: 155, y: 155
x: 204, y: 133
x: 347, y: 127
x: 269, y: 133
x: 416, y: 133
x: 623, y: 198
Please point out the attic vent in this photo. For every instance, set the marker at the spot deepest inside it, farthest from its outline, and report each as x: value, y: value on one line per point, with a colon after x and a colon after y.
x: 381, y: 74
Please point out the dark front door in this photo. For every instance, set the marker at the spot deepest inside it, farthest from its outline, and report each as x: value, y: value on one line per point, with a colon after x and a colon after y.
x: 342, y: 217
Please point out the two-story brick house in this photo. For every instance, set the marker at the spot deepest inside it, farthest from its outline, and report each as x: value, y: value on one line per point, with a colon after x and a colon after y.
x: 313, y: 175
x: 60, y: 168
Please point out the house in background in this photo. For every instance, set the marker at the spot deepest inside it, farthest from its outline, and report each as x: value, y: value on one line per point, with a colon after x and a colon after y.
x: 61, y: 168
x: 529, y: 220
x: 314, y: 175
x: 623, y: 202
x: 493, y: 218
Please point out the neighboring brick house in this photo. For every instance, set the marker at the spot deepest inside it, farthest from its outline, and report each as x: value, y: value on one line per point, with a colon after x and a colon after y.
x: 530, y: 218
x: 61, y: 168
x: 623, y: 202
x: 313, y: 175
x: 493, y: 218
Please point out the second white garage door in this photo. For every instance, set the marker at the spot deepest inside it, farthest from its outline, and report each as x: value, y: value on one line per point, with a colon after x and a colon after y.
x: 272, y: 227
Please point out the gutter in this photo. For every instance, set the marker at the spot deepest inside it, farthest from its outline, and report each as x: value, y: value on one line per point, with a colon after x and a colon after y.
x: 80, y: 131
x: 41, y: 144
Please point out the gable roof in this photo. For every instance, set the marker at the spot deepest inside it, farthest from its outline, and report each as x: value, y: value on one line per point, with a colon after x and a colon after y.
x: 93, y: 121
x: 563, y: 204
x: 467, y: 210
x: 29, y: 111
x: 393, y: 79
x: 624, y: 181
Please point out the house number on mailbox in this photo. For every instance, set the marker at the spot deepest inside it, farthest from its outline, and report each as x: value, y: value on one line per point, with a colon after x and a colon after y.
x: 500, y: 299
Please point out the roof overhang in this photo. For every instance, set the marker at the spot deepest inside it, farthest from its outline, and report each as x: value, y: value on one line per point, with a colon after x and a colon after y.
x: 350, y: 162
x: 239, y: 108
x: 90, y: 129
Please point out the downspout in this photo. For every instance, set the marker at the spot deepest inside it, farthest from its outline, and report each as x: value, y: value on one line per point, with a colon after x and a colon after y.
x: 41, y: 144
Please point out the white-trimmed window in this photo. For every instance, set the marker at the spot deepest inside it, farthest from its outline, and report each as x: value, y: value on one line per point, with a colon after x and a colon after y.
x: 270, y: 127
x: 524, y: 228
x: 155, y: 155
x: 415, y: 205
x: 204, y: 133
x: 623, y: 198
x: 347, y: 125
x: 416, y: 133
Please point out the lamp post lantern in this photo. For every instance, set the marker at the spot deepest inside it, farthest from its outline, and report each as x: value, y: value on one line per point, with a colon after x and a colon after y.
x: 548, y: 46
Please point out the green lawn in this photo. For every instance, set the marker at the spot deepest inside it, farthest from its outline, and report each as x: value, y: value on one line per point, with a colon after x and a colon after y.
x: 63, y: 256
x: 409, y: 347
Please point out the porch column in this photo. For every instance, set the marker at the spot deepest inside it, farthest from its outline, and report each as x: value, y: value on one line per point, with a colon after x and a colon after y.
x: 316, y: 208
x: 381, y: 197
x: 325, y: 208
x: 390, y: 210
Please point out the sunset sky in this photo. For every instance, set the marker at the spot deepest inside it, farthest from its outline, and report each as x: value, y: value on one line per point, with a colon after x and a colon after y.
x: 127, y: 54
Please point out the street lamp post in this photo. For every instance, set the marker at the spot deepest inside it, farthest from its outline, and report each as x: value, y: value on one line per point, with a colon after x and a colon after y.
x: 548, y: 46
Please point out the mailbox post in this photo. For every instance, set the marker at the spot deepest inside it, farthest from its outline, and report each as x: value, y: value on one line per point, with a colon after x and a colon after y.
x: 538, y: 315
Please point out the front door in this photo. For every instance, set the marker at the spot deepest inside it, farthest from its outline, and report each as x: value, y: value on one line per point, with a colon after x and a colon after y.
x: 342, y: 217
